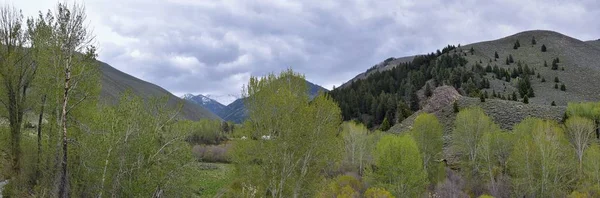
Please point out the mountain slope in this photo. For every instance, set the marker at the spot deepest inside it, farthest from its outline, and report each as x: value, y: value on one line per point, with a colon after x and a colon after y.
x: 115, y: 82
x: 581, y: 61
x: 206, y: 102
x: 594, y: 43
x: 383, y: 66
x: 236, y: 112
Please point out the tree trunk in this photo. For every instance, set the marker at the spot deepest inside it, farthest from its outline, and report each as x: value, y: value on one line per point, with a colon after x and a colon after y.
x: 15, y: 121
x: 39, y: 139
x: 63, y: 187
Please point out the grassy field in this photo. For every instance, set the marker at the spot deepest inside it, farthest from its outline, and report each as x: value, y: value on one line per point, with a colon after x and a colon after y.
x: 212, y: 178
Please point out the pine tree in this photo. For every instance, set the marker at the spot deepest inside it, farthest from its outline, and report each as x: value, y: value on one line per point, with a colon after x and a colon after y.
x: 496, y: 56
x: 553, y: 104
x: 472, y: 51
x: 428, y: 92
x: 543, y: 48
x: 526, y: 99
x: 510, y: 58
x: 455, y: 107
x: 481, y: 97
x: 545, y: 64
x: 555, y: 85
x: 514, y: 96
x: 563, y: 87
x: 543, y: 79
x: 556, y: 79
x: 538, y: 75
x: 507, y: 61
x: 385, y: 125
x: 517, y: 45
x: 533, y: 42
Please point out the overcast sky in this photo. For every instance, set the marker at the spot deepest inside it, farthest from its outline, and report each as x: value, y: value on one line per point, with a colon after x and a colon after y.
x: 212, y: 47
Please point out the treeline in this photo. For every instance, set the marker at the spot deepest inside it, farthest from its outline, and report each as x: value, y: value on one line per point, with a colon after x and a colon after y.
x: 58, y: 141
x: 391, y: 96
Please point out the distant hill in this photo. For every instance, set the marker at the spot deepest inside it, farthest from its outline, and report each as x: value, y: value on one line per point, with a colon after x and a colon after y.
x: 206, y: 102
x: 578, y: 69
x: 383, y: 66
x: 115, y: 82
x: 236, y: 112
x: 581, y: 61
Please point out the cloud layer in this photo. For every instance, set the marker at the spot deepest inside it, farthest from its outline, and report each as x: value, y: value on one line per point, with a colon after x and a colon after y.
x: 213, y: 47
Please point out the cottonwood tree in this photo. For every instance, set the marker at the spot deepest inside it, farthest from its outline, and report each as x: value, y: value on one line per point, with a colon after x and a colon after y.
x: 590, y: 110
x: 302, y: 138
x: 469, y: 127
x: 580, y: 133
x: 70, y: 80
x: 492, y: 156
x: 138, y: 148
x: 591, y: 167
x: 427, y: 132
x: 399, y: 166
x: 355, y: 146
x: 539, y: 165
x: 17, y: 72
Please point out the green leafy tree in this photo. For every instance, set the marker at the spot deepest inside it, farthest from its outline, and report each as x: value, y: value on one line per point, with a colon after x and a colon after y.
x: 138, y: 148
x: 590, y: 110
x: 493, y: 152
x: 300, y: 137
x: 17, y: 72
x: 385, y: 125
x: 469, y: 127
x: 399, y: 166
x: 591, y: 167
x: 356, y: 146
x: 580, y: 133
x: 539, y: 164
x: 428, y: 133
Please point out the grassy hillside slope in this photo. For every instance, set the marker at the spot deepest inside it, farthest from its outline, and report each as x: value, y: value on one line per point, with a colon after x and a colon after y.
x: 115, y: 82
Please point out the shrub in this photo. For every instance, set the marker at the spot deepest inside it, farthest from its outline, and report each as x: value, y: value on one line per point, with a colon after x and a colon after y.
x: 212, y: 153
x: 378, y: 193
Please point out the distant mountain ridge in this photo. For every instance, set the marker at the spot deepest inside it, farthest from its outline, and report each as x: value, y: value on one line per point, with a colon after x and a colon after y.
x: 206, y: 102
x: 236, y: 111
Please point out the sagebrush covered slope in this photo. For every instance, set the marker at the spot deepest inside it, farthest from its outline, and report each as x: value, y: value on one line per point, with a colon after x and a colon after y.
x: 580, y: 60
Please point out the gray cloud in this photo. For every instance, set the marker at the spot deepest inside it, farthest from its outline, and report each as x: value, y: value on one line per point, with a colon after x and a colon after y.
x: 213, y: 47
